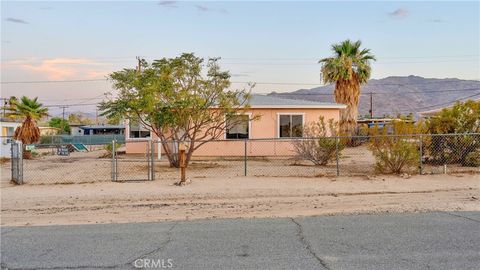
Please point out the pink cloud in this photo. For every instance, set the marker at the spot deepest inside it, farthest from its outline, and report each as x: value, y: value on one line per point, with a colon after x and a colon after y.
x: 62, y: 68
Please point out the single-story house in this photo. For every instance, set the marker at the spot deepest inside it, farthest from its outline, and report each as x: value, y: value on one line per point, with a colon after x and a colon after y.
x: 7, y: 129
x: 103, y: 129
x: 268, y: 117
x: 380, y: 122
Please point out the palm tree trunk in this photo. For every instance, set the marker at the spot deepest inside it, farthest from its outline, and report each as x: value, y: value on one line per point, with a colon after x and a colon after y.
x: 348, y: 92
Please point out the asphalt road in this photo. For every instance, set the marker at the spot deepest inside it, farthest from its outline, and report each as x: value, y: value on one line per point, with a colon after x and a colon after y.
x: 388, y: 241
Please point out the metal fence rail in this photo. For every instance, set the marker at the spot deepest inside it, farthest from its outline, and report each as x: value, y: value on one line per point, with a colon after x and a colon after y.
x: 81, y: 139
x: 147, y: 160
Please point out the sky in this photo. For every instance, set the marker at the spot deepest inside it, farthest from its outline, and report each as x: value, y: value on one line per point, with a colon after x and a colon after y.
x: 275, y: 44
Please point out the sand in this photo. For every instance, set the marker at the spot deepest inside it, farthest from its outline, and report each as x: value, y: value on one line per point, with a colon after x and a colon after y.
x: 235, y: 197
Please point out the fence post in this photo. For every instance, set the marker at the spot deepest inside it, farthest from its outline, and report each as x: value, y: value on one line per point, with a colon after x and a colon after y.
x: 16, y: 153
x: 245, y: 158
x: 152, y: 159
x: 114, y: 161
x: 182, y: 159
x: 421, y: 154
x: 147, y: 154
x: 337, y: 155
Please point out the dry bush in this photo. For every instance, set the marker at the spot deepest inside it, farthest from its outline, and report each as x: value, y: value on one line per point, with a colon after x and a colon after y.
x: 396, y: 152
x: 109, y: 150
x: 320, y: 144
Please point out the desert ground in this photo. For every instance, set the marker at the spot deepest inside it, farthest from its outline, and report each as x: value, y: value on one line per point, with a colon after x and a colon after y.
x: 235, y: 197
x: 93, y: 167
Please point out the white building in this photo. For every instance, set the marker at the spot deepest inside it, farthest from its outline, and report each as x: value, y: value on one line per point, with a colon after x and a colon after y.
x: 7, y: 128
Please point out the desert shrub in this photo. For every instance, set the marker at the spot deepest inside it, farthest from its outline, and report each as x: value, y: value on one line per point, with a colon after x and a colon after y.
x: 319, y: 145
x: 461, y: 119
x: 473, y: 159
x: 397, y: 152
x: 109, y: 149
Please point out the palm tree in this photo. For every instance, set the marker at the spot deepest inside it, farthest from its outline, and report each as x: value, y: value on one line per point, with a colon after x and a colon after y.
x: 348, y: 68
x: 31, y: 111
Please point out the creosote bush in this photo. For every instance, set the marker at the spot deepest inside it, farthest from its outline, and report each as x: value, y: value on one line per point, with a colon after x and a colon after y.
x: 109, y: 149
x: 462, y: 118
x: 397, y: 152
x: 319, y: 145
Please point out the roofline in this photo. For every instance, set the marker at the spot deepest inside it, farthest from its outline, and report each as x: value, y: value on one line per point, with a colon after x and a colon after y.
x: 319, y: 106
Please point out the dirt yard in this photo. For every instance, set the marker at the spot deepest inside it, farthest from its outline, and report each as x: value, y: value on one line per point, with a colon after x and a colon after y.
x: 235, y: 197
x: 88, y: 167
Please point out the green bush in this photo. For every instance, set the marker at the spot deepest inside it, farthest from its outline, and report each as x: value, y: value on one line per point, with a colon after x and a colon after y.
x: 460, y: 119
x: 472, y: 159
x: 109, y: 149
x: 396, y: 154
x: 319, y: 145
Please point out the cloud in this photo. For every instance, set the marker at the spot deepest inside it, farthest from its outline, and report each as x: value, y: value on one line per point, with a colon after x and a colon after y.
x: 168, y: 4
x: 437, y: 21
x: 238, y: 75
x: 399, y: 13
x: 61, y: 68
x: 16, y: 20
x: 207, y: 9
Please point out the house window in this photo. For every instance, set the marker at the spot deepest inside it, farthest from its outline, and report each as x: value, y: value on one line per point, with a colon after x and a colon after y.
x: 10, y: 131
x: 290, y: 125
x: 137, y: 130
x: 237, y: 127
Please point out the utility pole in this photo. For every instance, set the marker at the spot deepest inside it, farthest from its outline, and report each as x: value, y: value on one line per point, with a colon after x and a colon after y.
x: 139, y: 67
x: 5, y: 103
x: 63, y: 117
x: 371, y: 105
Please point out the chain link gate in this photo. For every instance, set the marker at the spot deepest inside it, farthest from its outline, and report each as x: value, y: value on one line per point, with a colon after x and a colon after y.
x: 134, y: 167
x: 17, y: 162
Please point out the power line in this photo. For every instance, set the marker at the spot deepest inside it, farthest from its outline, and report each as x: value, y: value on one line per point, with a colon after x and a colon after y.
x: 70, y: 105
x: 56, y: 81
x: 316, y: 64
x: 449, y: 102
x: 243, y: 82
x: 315, y: 58
x: 381, y: 93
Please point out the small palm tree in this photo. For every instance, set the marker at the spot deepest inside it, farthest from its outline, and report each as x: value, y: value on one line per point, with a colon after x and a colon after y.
x: 348, y: 69
x: 31, y: 111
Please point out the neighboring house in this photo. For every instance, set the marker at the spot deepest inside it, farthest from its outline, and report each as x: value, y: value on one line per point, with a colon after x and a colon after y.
x: 380, y: 122
x: 98, y: 130
x: 75, y: 129
x: 282, y: 119
x: 7, y: 129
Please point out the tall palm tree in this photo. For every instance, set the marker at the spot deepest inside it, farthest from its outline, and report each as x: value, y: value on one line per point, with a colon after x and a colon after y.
x: 31, y: 111
x: 348, y: 68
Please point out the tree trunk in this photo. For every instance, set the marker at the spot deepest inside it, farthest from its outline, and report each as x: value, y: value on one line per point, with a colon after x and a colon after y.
x: 348, y: 92
x: 172, y: 156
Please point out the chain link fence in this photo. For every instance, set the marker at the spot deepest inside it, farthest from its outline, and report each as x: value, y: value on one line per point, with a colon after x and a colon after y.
x: 145, y: 160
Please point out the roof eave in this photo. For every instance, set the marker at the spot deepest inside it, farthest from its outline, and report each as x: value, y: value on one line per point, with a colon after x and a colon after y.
x: 332, y: 106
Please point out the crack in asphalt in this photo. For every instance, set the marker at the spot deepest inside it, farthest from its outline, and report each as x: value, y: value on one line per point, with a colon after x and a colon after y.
x: 65, y: 267
x: 162, y: 246
x: 307, y: 245
x: 128, y: 263
x: 460, y: 216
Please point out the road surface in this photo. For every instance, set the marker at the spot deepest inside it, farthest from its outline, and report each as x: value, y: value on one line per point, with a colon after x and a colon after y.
x: 443, y: 240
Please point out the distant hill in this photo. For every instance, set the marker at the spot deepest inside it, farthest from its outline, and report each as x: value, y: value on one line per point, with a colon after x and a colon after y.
x: 399, y: 94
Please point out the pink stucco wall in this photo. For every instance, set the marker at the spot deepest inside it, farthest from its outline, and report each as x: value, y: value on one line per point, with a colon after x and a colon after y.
x: 266, y: 126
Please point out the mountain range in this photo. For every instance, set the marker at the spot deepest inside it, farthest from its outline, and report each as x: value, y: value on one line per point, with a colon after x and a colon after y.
x: 399, y: 94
